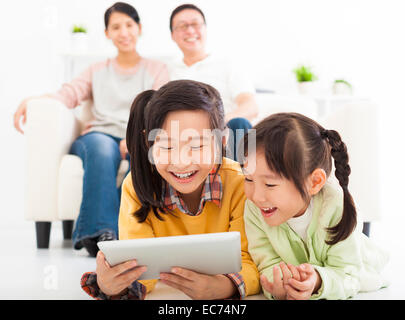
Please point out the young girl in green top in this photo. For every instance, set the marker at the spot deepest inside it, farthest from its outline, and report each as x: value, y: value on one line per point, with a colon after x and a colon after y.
x: 301, y: 227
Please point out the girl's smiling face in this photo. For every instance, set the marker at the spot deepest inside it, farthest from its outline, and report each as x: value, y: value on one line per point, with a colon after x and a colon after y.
x: 277, y: 197
x: 184, y: 150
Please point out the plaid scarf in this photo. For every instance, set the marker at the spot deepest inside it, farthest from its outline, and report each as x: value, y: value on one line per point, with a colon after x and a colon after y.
x: 212, y: 191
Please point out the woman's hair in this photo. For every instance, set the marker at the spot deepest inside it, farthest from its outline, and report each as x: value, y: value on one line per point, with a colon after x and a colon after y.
x: 181, y: 8
x: 148, y: 113
x: 123, y: 8
x: 294, y: 146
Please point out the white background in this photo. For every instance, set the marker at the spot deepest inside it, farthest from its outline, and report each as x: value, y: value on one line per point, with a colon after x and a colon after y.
x: 358, y: 40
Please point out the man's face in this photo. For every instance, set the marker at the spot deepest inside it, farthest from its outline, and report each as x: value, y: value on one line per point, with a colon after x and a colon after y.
x: 189, y: 31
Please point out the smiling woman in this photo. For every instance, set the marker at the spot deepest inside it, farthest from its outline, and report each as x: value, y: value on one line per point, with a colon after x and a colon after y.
x: 112, y: 85
x: 123, y: 28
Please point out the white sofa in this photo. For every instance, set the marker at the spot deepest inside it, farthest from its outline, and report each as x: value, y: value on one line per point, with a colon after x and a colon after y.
x: 54, y: 178
x: 359, y: 127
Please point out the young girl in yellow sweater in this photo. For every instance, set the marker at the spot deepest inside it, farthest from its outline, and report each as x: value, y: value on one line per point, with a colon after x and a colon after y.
x: 179, y: 185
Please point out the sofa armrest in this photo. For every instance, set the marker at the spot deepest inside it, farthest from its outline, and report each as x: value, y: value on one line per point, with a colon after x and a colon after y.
x: 359, y: 127
x: 270, y: 103
x: 50, y: 130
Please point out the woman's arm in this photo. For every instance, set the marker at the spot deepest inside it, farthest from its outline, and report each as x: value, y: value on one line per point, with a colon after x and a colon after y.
x: 21, y: 113
x: 78, y: 90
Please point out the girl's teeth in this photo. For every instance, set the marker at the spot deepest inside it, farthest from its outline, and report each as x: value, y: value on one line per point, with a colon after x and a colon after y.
x: 183, y: 175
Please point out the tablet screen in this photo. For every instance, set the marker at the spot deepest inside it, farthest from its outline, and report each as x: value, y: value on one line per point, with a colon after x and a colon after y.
x: 209, y: 253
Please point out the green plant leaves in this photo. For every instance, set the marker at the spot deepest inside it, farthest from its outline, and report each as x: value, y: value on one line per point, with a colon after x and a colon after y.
x: 77, y: 29
x: 304, y: 73
x: 343, y: 81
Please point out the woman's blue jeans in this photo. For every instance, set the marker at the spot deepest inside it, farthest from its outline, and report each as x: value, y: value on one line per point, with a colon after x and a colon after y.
x: 101, y: 198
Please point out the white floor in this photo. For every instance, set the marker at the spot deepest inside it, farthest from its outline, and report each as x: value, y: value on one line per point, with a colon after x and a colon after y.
x: 54, y: 273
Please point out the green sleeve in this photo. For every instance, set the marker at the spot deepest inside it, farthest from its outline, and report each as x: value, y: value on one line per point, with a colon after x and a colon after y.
x: 259, y: 245
x: 340, y: 272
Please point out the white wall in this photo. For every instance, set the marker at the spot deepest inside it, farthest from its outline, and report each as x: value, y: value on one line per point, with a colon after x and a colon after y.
x: 361, y: 41
x: 350, y: 39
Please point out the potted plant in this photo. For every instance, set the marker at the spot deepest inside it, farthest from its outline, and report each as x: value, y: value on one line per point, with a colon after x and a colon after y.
x: 305, y: 78
x: 342, y: 87
x: 79, y: 38
x: 78, y: 29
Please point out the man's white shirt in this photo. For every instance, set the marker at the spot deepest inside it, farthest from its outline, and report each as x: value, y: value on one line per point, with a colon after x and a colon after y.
x: 229, y: 79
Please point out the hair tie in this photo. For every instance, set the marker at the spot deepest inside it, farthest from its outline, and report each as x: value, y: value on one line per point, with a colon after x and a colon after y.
x: 324, y: 134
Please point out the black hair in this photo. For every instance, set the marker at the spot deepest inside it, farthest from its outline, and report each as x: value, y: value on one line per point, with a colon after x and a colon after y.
x: 181, y: 8
x: 148, y: 112
x: 294, y: 146
x: 123, y: 8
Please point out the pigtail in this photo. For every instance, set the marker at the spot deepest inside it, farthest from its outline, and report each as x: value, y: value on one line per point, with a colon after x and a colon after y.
x: 348, y: 221
x: 145, y: 179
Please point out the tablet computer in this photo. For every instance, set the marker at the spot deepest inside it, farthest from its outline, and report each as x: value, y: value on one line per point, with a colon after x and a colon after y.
x: 208, y: 253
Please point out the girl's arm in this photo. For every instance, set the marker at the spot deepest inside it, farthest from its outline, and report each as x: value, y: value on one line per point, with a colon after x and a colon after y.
x: 246, y: 107
x: 114, y: 283
x: 128, y: 225
x: 228, y: 286
x: 129, y: 228
x: 341, y: 270
x: 249, y: 272
x: 260, y: 248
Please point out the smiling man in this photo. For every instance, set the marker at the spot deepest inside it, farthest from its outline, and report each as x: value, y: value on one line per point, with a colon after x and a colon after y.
x: 189, y: 32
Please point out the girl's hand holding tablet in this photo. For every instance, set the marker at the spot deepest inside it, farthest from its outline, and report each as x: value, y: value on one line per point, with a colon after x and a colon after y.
x: 115, y: 280
x: 180, y: 185
x: 199, y: 286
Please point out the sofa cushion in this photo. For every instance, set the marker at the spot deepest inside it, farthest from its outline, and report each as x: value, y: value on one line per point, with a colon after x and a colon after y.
x: 70, y: 185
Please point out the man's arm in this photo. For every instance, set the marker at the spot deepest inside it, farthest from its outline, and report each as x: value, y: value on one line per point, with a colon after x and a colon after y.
x: 246, y: 107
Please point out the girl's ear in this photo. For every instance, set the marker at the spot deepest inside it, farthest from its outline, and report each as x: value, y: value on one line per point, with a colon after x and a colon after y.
x: 106, y: 34
x: 225, y: 137
x: 140, y: 29
x: 317, y: 180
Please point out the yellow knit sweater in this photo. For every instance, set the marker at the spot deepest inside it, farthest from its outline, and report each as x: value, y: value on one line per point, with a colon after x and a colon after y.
x: 227, y: 217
